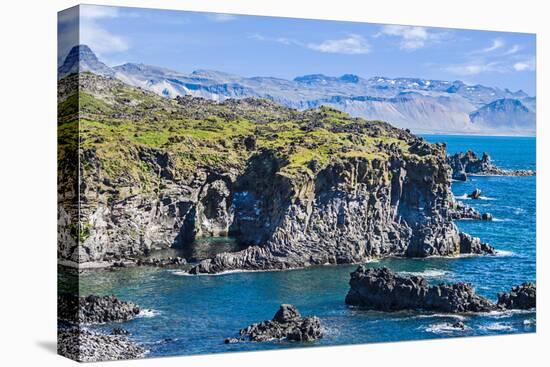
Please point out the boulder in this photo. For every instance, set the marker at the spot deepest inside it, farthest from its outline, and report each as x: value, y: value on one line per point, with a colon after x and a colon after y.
x: 476, y: 194
x: 473, y: 245
x: 287, y: 324
x: 383, y: 290
x: 94, y: 309
x: 523, y: 297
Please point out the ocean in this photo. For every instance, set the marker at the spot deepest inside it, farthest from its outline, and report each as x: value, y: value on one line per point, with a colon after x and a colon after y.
x: 194, y: 314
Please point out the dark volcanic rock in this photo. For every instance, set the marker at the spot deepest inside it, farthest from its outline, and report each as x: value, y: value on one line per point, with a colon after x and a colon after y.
x: 381, y: 289
x: 120, y: 331
x: 369, y: 190
x: 476, y: 194
x: 286, y: 324
x: 459, y: 325
x: 162, y: 262
x: 473, y: 245
x: 522, y: 297
x: 87, y: 346
x: 463, y: 164
x: 94, y: 309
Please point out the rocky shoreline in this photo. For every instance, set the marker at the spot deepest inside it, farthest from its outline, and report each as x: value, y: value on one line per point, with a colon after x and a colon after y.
x: 94, y: 309
x: 467, y: 164
x: 381, y: 289
x: 77, y: 342
x: 87, y: 346
x: 293, y: 199
x: 287, y: 324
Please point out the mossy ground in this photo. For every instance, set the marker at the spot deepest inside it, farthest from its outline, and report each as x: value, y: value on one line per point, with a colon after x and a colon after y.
x: 117, y: 120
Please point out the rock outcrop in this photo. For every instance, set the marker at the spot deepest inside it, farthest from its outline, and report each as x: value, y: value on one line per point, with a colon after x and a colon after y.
x: 476, y: 194
x: 523, y: 297
x: 297, y: 188
x: 381, y: 289
x: 463, y: 211
x: 87, y: 346
x: 464, y: 164
x: 94, y: 309
x: 287, y: 324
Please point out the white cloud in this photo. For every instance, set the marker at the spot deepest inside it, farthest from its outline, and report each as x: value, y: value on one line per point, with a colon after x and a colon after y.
x: 475, y: 68
x: 352, y: 45
x: 512, y: 50
x: 93, y: 34
x: 495, y: 45
x: 97, y: 12
x: 525, y: 65
x: 412, y: 37
x: 281, y: 40
x: 220, y: 17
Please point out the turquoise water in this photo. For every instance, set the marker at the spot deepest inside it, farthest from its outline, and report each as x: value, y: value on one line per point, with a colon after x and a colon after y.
x: 193, y: 314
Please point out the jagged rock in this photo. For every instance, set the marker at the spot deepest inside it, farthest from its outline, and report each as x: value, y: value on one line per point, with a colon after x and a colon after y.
x: 360, y: 201
x: 487, y: 216
x: 521, y: 297
x: 286, y: 324
x: 463, y: 164
x: 476, y: 194
x: 120, y: 331
x: 87, y: 346
x: 162, y: 262
x: 381, y: 289
x: 473, y: 245
x: 459, y: 325
x: 94, y: 309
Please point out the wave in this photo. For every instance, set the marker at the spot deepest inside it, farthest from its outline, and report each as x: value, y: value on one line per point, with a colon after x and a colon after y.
x: 497, y: 326
x: 148, y: 313
x: 466, y: 197
x: 505, y: 313
x: 505, y: 253
x: 445, y: 328
x: 428, y: 273
x: 501, y: 220
x: 440, y: 315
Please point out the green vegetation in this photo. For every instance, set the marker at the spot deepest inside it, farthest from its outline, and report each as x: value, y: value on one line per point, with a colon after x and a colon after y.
x: 123, y: 126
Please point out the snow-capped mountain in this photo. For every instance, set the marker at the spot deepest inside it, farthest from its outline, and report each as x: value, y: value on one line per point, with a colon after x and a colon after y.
x: 421, y: 105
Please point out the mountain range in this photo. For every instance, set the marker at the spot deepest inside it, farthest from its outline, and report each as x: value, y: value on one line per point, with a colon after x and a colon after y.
x: 421, y: 105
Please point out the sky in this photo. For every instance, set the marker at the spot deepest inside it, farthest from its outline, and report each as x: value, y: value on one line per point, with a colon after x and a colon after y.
x: 287, y: 48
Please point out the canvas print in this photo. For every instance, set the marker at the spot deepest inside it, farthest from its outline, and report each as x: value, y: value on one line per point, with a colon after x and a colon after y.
x: 231, y: 183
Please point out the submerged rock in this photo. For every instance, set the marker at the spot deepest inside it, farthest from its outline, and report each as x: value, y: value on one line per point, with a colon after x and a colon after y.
x: 287, y: 324
x: 476, y: 194
x: 94, y: 309
x: 87, y: 346
x: 459, y: 325
x: 523, y: 297
x: 383, y: 290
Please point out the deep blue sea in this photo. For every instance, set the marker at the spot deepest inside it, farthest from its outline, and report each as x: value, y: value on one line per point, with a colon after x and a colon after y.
x: 193, y: 314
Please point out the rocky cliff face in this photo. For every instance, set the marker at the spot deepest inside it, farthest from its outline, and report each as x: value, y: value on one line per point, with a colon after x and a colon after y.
x: 297, y: 188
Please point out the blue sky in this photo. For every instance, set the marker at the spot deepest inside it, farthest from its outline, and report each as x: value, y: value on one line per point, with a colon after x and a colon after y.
x: 286, y: 48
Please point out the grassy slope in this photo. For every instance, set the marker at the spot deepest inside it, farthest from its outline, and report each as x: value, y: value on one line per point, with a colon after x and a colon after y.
x: 117, y: 120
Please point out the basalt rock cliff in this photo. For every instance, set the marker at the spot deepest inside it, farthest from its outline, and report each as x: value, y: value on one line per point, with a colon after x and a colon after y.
x: 297, y: 188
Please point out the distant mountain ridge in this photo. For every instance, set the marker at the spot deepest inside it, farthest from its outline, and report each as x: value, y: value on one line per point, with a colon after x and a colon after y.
x: 422, y: 105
